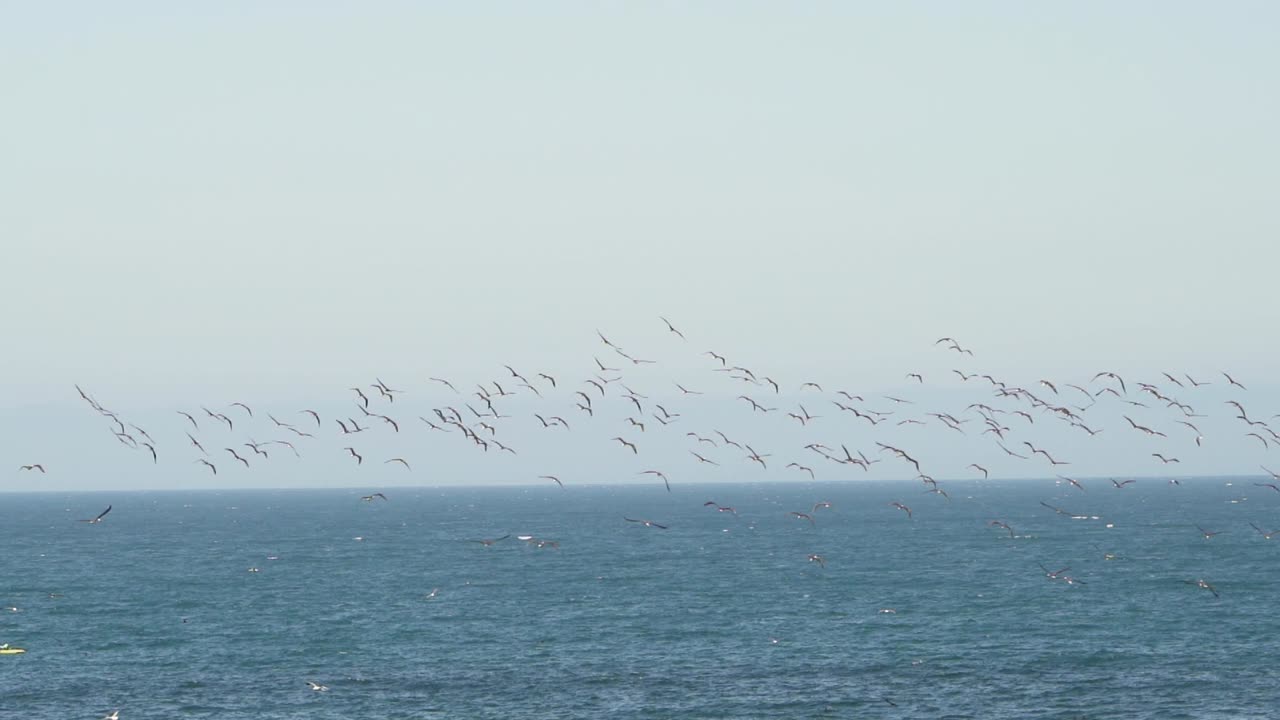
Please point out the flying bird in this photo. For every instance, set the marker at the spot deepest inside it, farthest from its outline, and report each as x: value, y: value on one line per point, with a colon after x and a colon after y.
x: 671, y: 328
x: 237, y: 456
x: 354, y: 454
x: 34, y: 466
x: 402, y: 461
x: 445, y: 383
x: 370, y: 498
x: 802, y: 516
x: 659, y: 474
x: 1265, y: 535
x: 98, y: 519
x: 1202, y: 583
x: 646, y: 523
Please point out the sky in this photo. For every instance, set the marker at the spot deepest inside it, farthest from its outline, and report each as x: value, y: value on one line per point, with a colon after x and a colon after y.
x: 270, y: 203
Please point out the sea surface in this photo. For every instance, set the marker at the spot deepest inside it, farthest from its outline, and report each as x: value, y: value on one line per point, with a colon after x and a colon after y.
x: 155, y: 611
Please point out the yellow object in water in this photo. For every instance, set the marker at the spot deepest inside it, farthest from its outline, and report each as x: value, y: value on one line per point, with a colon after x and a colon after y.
x: 11, y: 651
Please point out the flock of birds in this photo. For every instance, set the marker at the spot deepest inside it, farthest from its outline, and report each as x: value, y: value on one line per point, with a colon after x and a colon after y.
x: 1003, y: 430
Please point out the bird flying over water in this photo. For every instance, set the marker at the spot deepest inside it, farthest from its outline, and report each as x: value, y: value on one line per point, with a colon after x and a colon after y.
x: 1201, y: 583
x: 98, y: 519
x: 646, y: 523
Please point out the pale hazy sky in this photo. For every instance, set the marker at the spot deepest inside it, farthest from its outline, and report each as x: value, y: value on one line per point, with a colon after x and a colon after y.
x: 273, y: 202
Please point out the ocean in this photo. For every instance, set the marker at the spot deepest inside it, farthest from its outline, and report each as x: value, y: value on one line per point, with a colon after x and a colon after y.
x: 225, y: 604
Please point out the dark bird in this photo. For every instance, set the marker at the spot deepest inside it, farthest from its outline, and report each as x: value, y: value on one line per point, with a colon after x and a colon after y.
x: 1074, y: 484
x: 1232, y: 381
x: 1265, y: 535
x: 980, y: 469
x: 354, y: 454
x: 487, y: 542
x: 702, y: 459
x: 237, y: 456
x: 646, y: 523
x: 364, y: 399
x: 193, y: 420
x: 999, y: 524
x: 1115, y: 377
x: 659, y: 474
x: 1122, y: 483
x: 246, y: 407
x: 34, y: 466
x: 402, y: 461
x: 802, y: 516
x: 208, y: 465
x: 1164, y: 459
x: 822, y: 562
x: 444, y: 382
x: 627, y: 444
x: 671, y: 328
x: 552, y: 477
x: 98, y: 519
x: 802, y: 468
x: 1144, y: 429
x: 902, y: 507
x: 370, y: 498
x: 1202, y: 583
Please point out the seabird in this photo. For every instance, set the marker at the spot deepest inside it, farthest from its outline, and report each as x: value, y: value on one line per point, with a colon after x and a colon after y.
x: 646, y: 523
x: 98, y: 519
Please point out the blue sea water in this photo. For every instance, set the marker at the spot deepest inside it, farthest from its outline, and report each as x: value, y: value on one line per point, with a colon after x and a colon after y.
x: 155, y: 612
